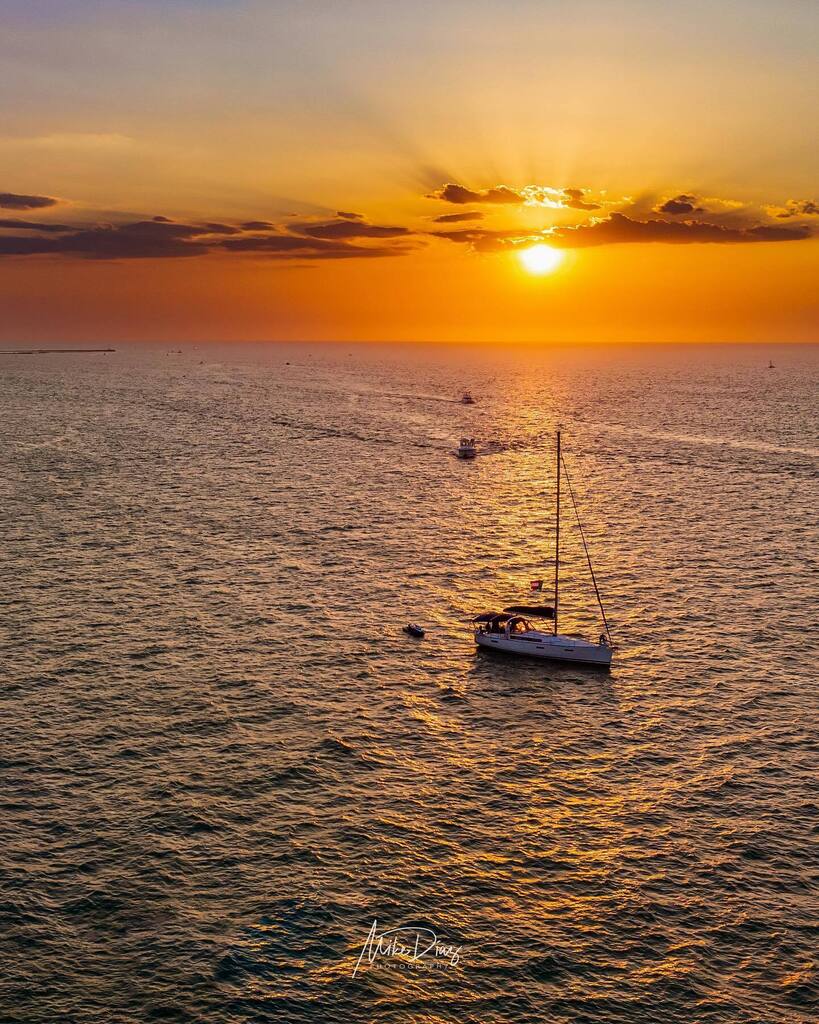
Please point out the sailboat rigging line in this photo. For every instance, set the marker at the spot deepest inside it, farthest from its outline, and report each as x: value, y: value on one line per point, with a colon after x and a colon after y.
x: 557, y: 528
x: 586, y: 549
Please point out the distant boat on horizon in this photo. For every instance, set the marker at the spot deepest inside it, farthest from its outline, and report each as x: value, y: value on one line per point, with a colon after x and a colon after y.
x: 510, y: 631
x: 770, y: 364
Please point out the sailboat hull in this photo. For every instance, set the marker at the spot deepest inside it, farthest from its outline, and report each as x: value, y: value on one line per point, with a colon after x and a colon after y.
x: 534, y: 644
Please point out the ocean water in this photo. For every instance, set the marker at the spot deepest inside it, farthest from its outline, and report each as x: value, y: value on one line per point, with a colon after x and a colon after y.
x: 222, y: 760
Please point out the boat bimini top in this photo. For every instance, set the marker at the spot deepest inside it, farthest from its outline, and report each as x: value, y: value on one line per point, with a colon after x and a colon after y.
x: 491, y: 617
x: 537, y: 611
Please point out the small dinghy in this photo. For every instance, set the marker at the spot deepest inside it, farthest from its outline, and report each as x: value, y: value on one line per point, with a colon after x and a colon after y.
x: 466, y: 449
x: 413, y: 629
x: 467, y: 399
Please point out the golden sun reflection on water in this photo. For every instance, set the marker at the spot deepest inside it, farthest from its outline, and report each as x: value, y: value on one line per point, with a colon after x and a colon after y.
x: 293, y: 766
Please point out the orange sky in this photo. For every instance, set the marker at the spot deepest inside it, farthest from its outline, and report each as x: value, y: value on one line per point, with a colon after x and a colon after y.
x: 170, y: 172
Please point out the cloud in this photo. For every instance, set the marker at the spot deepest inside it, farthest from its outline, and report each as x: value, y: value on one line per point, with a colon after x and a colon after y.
x: 573, y: 198
x: 222, y: 229
x: 680, y: 205
x: 160, y: 229
x: 619, y: 229
x: 486, y: 240
x: 33, y: 225
x: 456, y: 218
x: 163, y: 238
x: 291, y: 246
x: 348, y: 229
x: 100, y: 244
x: 349, y: 235
x: 773, y: 233
x: 12, y: 201
x: 159, y: 238
x: 141, y: 240
x: 795, y: 208
x: 530, y: 195
x: 460, y: 195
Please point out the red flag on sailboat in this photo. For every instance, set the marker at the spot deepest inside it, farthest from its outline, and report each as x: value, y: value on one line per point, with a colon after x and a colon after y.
x: 536, y: 585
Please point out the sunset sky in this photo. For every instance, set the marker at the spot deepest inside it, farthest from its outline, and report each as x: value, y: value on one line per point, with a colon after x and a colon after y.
x: 371, y: 170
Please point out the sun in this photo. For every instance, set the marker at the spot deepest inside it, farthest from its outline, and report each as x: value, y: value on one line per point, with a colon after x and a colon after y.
x: 540, y: 259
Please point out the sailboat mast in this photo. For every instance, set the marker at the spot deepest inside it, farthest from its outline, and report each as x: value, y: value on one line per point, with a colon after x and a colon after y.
x: 557, y: 530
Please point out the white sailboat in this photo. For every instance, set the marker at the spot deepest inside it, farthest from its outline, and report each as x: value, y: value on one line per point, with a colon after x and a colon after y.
x: 510, y: 631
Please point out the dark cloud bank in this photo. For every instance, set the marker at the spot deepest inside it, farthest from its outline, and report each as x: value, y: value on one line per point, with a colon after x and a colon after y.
x: 681, y: 219
x: 460, y: 195
x: 680, y: 205
x: 799, y: 208
x: 618, y: 229
x: 13, y: 201
x: 348, y: 235
x: 162, y: 238
x: 456, y: 218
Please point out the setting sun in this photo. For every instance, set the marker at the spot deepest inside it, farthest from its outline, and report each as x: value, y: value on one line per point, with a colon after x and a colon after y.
x: 540, y: 259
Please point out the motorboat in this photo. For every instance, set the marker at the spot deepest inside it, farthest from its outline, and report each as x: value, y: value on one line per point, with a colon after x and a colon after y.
x: 510, y: 630
x: 466, y: 449
x: 467, y: 399
x: 413, y: 629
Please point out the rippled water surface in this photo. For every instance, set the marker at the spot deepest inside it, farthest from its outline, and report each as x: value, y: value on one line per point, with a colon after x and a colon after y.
x: 222, y: 760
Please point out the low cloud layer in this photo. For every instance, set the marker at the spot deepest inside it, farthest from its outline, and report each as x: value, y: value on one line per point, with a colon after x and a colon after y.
x: 677, y: 218
x: 574, y: 199
x: 462, y: 196
x: 796, y: 208
x: 487, y: 240
x: 139, y: 240
x: 287, y: 246
x: 162, y: 238
x: 680, y: 205
x: 457, y: 218
x: 618, y: 229
x: 32, y: 225
x: 13, y: 201
x: 347, y: 228
x: 528, y: 195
